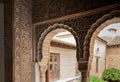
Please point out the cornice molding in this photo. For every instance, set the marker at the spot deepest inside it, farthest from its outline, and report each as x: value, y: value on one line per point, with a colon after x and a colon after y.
x: 114, y: 46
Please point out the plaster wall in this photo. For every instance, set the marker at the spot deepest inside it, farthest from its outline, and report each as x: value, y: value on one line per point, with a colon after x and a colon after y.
x: 102, y: 54
x: 67, y: 61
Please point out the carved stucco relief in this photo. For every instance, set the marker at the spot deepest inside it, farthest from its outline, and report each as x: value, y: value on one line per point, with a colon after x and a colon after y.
x: 23, y: 41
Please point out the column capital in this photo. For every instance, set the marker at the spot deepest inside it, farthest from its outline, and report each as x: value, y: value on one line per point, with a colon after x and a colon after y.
x: 43, y: 68
x: 43, y: 65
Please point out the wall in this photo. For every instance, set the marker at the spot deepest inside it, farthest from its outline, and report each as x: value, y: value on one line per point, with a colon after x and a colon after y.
x: 113, y: 57
x: 22, y: 40
x: 67, y: 61
x: 102, y: 53
x: 2, y: 43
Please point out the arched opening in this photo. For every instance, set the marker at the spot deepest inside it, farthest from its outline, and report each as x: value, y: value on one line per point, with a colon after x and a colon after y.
x: 58, y: 61
x: 104, y: 47
x: 95, y: 34
x: 112, y: 17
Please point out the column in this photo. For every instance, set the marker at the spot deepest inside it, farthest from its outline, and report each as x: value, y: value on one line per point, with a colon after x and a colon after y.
x: 84, y: 76
x: 43, y: 68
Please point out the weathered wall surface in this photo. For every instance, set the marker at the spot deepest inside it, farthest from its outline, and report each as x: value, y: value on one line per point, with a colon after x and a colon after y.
x: 23, y: 40
x: 101, y: 61
x: 113, y: 57
x: 67, y: 61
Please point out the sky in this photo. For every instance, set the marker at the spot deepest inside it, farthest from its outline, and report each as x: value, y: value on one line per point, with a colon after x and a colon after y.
x: 105, y: 31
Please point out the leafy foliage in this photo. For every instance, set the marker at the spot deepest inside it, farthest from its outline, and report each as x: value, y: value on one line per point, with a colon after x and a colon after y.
x: 96, y: 79
x: 111, y: 74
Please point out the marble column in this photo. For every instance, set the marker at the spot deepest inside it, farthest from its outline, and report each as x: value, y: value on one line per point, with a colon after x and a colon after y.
x: 43, y: 68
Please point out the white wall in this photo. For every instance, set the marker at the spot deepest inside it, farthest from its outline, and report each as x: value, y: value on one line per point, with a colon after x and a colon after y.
x: 67, y: 61
x: 102, y: 53
x: 1, y: 43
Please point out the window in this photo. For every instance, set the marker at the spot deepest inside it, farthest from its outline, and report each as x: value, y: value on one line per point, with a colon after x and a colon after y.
x: 51, y: 67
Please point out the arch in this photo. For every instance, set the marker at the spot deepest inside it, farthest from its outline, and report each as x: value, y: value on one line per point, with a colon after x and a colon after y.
x: 113, y: 17
x: 46, y: 37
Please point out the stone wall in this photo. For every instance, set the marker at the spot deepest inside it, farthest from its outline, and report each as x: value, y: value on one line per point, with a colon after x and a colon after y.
x: 113, y: 57
x: 23, y: 40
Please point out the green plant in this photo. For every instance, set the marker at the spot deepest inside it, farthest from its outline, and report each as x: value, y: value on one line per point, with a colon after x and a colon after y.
x: 111, y: 74
x: 95, y: 79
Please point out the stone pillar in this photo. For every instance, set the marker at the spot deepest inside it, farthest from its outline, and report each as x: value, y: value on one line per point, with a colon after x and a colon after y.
x: 43, y: 68
x: 84, y: 76
x: 22, y: 32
